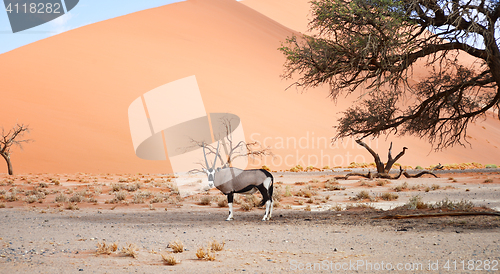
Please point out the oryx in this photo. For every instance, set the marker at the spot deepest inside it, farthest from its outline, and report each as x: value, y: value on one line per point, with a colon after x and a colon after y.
x: 232, y: 180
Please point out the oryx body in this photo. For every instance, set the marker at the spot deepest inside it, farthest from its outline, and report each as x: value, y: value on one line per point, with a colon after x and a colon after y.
x: 230, y: 180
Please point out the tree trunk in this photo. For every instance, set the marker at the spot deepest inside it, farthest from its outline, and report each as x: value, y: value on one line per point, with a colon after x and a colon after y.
x: 9, y: 164
x: 376, y: 158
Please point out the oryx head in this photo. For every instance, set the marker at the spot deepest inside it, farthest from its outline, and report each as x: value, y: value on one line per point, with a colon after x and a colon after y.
x: 210, y: 171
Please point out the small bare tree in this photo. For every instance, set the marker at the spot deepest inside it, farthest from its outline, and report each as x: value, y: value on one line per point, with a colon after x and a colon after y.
x: 10, y: 138
x: 232, y: 149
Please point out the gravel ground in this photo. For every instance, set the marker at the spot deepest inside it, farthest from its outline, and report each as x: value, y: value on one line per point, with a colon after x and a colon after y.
x: 47, y: 238
x: 65, y: 242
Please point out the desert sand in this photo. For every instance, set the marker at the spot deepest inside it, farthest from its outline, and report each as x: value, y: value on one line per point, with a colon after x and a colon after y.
x: 79, y: 183
x: 317, y: 220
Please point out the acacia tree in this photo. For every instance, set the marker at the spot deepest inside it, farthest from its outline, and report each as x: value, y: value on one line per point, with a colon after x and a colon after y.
x: 376, y: 44
x: 10, y: 138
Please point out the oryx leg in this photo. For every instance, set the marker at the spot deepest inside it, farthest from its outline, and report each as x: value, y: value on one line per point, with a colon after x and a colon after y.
x: 270, y: 190
x: 265, y: 196
x: 230, y: 198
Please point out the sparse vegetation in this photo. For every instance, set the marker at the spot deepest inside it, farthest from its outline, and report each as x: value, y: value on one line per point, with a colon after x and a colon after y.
x: 387, y: 196
x: 205, y: 200
x: 380, y: 182
x: 362, y: 195
x: 104, y: 248
x: 177, y: 246
x: 216, y: 246
x: 401, y: 187
x: 130, y: 250
x: 222, y: 201
x: 61, y: 198
x: 169, y: 259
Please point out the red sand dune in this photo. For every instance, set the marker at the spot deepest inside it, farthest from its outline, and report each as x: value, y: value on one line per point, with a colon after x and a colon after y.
x: 74, y: 90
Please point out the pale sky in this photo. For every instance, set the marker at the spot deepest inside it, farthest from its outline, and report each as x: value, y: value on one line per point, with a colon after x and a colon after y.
x: 84, y: 13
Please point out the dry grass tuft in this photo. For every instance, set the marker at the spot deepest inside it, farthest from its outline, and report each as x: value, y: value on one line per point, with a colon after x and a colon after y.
x: 247, y: 206
x: 170, y: 259
x: 216, y: 246
x: 362, y: 195
x: 382, y: 182
x: 205, y: 200
x: 389, y: 196
x: 177, y: 246
x: 401, y: 187
x: 72, y: 206
x: 130, y: 250
x: 200, y: 253
x: 222, y: 202
x: 206, y: 255
x: 103, y: 248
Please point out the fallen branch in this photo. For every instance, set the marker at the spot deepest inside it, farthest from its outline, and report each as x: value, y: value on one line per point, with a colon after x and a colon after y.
x: 441, y: 214
x: 419, y: 174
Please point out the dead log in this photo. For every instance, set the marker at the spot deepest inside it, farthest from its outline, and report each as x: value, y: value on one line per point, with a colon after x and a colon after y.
x: 419, y: 174
x: 383, y: 170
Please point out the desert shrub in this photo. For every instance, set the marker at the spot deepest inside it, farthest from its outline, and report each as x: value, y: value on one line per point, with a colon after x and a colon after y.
x: 138, y: 198
x: 389, y: 196
x: 222, y: 201
x: 288, y: 192
x: 488, y: 181
x: 120, y: 195
x: 31, y: 199
x: 61, y: 198
x: 177, y: 246
x: 130, y: 250
x: 169, y: 259
x: 77, y: 198
x: 205, y: 200
x: 419, y: 167
x: 11, y: 197
x: 55, y: 181
x: 216, y: 246
x: 266, y: 168
x: 415, y: 202
x: 450, y: 205
x: 401, y: 187
x: 365, y: 183
x: 332, y: 185
x: 297, y: 168
x: 362, y: 195
x: 382, y: 182
x: 72, y: 206
x: 157, y: 198
x: 308, y: 194
x: 336, y: 207
x: 491, y: 166
x: 247, y: 206
x: 277, y: 193
x: 104, y: 248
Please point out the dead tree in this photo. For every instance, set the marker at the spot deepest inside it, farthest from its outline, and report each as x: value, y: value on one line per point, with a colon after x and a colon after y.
x: 10, y: 138
x: 383, y: 170
x: 232, y: 149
